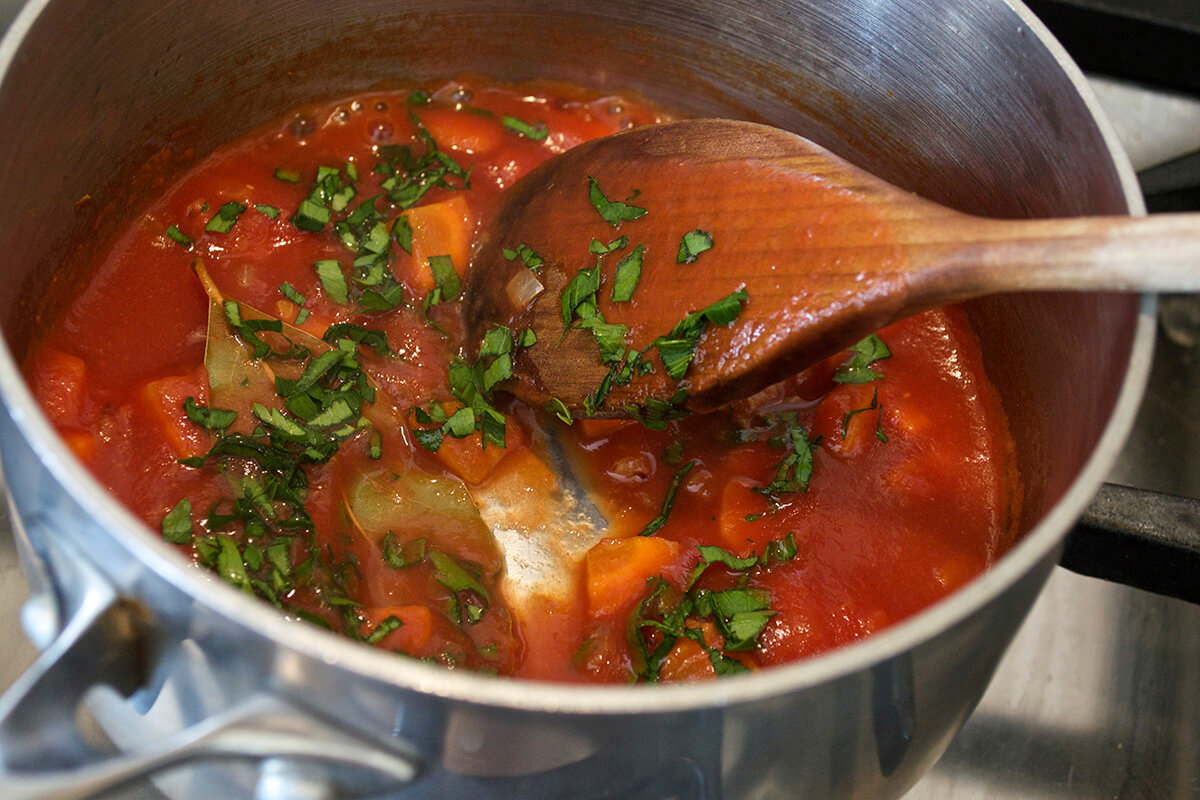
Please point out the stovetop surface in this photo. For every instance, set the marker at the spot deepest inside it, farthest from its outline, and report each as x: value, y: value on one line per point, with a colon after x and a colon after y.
x: 1099, y: 695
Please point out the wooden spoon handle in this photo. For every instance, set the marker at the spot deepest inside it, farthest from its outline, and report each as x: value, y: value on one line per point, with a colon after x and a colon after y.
x: 970, y: 256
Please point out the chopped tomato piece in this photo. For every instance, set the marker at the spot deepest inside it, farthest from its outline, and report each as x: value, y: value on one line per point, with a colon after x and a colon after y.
x: 82, y: 443
x: 469, y: 133
x: 58, y: 381
x: 739, y: 500
x: 848, y: 418
x: 163, y: 399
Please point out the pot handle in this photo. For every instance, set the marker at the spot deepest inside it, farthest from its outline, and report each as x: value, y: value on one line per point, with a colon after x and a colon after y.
x: 43, y: 755
x: 1144, y: 539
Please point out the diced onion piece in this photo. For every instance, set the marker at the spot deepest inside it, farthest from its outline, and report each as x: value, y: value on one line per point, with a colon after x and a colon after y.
x: 523, y: 287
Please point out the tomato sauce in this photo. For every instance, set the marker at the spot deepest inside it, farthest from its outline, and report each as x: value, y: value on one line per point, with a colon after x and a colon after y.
x: 367, y: 499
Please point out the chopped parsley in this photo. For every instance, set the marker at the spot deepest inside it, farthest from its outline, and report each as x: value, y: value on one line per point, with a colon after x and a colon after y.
x: 794, y: 470
x: 529, y: 257
x: 692, y: 245
x: 628, y: 273
x: 333, y: 280
x: 177, y: 524
x: 225, y: 218
x: 536, y: 131
x: 446, y: 279
x: 739, y: 614
x: 857, y: 369
x: 668, y: 502
x: 614, y: 212
x: 178, y: 236
x: 559, y: 409
x: 402, y: 232
x: 676, y: 349
x: 472, y: 385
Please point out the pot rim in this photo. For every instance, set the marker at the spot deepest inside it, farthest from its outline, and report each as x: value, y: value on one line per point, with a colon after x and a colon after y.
x: 536, y: 696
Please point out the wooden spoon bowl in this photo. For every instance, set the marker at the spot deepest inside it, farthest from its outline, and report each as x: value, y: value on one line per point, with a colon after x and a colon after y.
x: 824, y: 252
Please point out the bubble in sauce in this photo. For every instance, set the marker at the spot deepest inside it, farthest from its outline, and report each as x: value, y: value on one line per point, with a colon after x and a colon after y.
x: 380, y: 131
x: 302, y: 126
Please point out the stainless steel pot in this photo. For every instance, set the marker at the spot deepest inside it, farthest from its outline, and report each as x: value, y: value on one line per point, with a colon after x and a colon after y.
x: 968, y: 102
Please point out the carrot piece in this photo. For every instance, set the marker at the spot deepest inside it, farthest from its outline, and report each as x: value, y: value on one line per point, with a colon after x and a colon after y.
x: 438, y: 229
x: 413, y: 634
x: 163, y: 400
x: 468, y: 458
x: 58, y: 381
x: 616, y: 570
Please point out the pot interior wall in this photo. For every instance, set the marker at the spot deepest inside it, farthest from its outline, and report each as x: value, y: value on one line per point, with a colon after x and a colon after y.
x: 939, y: 98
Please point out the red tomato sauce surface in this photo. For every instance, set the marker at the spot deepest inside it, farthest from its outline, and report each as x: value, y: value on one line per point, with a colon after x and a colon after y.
x: 788, y: 524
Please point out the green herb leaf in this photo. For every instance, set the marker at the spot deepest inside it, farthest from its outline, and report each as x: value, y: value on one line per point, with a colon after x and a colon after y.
x: 399, y: 556
x: 402, y: 233
x: 600, y: 249
x: 445, y: 276
x: 225, y: 218
x: 311, y: 216
x: 177, y: 524
x: 230, y: 566
x: 208, y: 418
x: 677, y: 347
x: 536, y: 131
x: 429, y: 438
x: 692, y: 245
x: 333, y: 280
x: 385, y: 626
x: 795, y: 468
x: 529, y: 257
x: 711, y: 554
x: 628, y: 273
x: 178, y: 236
x: 614, y: 212
x: 780, y: 550
x: 289, y: 291
x: 368, y: 337
x: 270, y: 212
x: 857, y: 368
x: 559, y: 409
x: 580, y: 290
x: 668, y: 503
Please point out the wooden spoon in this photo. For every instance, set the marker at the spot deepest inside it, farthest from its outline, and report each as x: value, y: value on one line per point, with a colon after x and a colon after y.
x: 825, y: 253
